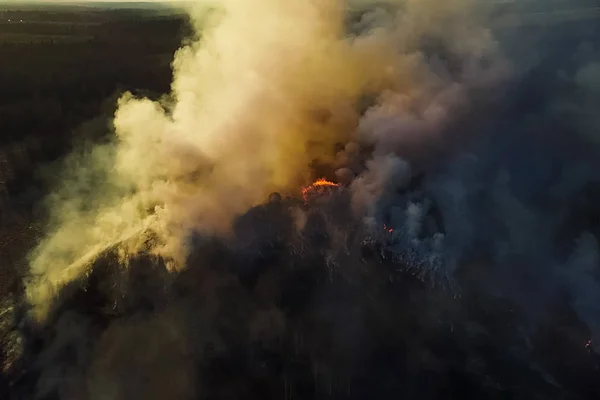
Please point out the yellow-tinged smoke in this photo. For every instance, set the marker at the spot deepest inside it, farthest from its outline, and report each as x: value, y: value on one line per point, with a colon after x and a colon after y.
x: 267, y: 86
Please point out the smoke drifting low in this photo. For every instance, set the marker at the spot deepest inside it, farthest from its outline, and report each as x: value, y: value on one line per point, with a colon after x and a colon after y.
x: 462, y: 152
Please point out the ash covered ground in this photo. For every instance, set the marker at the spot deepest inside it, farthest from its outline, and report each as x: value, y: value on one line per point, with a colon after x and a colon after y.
x: 449, y: 251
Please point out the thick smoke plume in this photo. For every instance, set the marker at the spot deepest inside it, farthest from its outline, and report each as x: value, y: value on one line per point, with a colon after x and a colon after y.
x: 264, y: 89
x: 450, y: 249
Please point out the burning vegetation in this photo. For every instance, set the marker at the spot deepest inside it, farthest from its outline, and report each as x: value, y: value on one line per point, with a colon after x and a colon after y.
x: 320, y: 186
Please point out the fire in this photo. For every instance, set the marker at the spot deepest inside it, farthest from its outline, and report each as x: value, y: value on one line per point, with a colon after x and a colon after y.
x: 318, y: 186
x: 387, y: 228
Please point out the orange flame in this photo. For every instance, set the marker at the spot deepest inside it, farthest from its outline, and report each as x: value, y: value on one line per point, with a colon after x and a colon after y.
x: 316, y: 187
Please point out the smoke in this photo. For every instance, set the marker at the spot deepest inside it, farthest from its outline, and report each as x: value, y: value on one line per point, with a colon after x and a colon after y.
x: 260, y: 93
x: 462, y: 153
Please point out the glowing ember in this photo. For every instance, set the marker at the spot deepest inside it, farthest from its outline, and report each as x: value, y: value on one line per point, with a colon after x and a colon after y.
x: 390, y: 230
x: 317, y: 187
